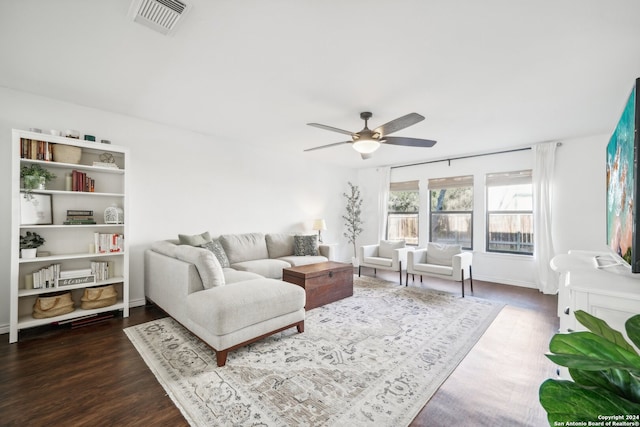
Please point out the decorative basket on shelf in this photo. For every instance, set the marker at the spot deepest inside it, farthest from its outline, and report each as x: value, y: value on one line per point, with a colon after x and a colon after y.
x: 99, y: 296
x: 66, y: 154
x: 52, y: 305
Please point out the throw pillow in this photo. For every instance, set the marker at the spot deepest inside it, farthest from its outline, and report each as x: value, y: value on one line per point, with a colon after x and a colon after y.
x: 305, y: 245
x: 207, y: 265
x: 386, y: 247
x: 216, y: 247
x: 194, y: 240
x: 441, y: 254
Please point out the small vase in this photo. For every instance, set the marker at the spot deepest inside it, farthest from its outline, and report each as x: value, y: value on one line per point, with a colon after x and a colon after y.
x: 28, y: 253
x: 355, y: 261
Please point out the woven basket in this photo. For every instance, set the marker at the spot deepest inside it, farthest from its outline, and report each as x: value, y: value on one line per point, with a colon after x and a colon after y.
x: 53, y: 305
x: 66, y: 154
x: 99, y: 296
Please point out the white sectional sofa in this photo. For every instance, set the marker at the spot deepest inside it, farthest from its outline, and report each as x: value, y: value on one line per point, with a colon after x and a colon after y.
x: 229, y: 303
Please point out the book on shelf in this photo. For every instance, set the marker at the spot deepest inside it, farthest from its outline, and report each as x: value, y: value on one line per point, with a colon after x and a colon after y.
x: 79, y: 212
x: 108, y: 242
x: 81, y: 182
x: 105, y: 165
x: 33, y: 149
x: 78, y: 222
x: 103, y: 270
x: 46, y: 277
x: 75, y: 273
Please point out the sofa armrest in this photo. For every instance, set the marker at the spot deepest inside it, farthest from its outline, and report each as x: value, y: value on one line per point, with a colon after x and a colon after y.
x: 367, y: 251
x: 418, y: 256
x: 327, y: 251
x: 399, y: 256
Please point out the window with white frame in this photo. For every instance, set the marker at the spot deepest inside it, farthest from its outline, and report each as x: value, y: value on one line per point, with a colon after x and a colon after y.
x: 451, y: 210
x: 403, y: 212
x: 510, y: 212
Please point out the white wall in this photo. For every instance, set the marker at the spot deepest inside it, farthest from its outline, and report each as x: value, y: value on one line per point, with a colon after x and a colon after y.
x: 578, y: 208
x: 183, y: 182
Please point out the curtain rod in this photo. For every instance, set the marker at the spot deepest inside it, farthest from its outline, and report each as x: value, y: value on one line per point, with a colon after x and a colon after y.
x: 464, y: 157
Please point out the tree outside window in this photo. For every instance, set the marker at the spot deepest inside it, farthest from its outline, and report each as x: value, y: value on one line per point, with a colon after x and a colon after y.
x: 403, y: 212
x: 451, y: 211
x: 510, y: 212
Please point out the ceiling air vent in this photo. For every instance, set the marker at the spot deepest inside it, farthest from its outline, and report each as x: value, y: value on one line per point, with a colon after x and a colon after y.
x: 159, y: 15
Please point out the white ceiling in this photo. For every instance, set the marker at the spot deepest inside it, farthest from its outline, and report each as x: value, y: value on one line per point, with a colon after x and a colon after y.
x: 488, y: 75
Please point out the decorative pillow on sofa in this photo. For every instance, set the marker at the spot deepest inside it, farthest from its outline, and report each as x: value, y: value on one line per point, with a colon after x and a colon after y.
x: 441, y: 254
x: 279, y: 245
x: 195, y: 240
x: 216, y: 247
x: 386, y: 247
x: 207, y: 265
x: 305, y: 245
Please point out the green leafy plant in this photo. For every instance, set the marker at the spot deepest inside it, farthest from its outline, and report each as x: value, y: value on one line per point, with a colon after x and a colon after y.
x: 31, y: 240
x: 353, y: 220
x: 33, y: 176
x: 605, y: 369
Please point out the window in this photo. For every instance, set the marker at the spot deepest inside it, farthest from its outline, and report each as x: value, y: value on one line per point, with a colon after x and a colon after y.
x: 510, y: 212
x: 451, y: 210
x: 403, y: 210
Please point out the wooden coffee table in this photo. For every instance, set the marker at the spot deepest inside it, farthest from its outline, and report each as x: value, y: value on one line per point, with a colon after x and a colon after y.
x: 323, y: 283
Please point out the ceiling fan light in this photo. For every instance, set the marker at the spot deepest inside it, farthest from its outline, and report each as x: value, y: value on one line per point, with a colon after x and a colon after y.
x: 366, y: 146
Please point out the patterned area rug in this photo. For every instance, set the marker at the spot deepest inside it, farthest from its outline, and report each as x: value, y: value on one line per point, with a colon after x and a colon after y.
x: 373, y: 359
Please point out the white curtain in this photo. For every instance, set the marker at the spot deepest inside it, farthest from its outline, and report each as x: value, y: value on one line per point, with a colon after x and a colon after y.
x: 545, y: 158
x: 384, y: 182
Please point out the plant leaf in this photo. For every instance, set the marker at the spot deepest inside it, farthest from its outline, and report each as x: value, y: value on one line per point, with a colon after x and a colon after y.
x: 586, y: 350
x: 632, y: 326
x: 602, y: 329
x: 617, y: 381
x: 567, y: 400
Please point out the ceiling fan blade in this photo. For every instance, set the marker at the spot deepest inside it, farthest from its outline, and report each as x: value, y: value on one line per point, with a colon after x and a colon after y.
x: 366, y: 156
x: 399, y: 124
x: 331, y: 128
x: 409, y: 142
x: 328, y: 145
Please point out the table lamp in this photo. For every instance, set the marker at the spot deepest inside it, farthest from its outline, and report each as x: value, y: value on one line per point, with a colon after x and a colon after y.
x: 319, y: 224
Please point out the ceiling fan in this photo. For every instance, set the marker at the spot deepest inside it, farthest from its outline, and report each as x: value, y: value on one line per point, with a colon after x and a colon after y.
x: 367, y: 141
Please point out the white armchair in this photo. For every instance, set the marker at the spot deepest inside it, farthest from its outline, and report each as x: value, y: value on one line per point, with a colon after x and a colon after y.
x: 387, y: 255
x: 443, y: 261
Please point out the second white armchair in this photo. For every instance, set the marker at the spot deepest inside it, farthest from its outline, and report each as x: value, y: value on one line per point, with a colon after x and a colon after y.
x: 387, y: 255
x: 444, y: 261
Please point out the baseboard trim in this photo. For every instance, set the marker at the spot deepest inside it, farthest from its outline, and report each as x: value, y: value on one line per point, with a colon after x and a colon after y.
x: 4, y: 329
x: 505, y: 281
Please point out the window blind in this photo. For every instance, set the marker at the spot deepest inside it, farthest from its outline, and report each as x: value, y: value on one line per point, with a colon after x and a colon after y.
x: 451, y: 182
x: 405, y: 186
x: 508, y: 178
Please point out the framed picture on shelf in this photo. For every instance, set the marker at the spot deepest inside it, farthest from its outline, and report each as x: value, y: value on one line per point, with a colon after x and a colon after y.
x: 35, y: 209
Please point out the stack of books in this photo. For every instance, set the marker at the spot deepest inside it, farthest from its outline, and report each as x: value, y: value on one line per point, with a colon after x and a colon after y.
x: 79, y: 217
x: 101, y: 269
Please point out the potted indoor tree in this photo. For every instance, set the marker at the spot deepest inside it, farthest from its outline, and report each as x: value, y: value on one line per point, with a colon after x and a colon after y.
x: 29, y: 244
x: 353, y: 220
x: 35, y: 177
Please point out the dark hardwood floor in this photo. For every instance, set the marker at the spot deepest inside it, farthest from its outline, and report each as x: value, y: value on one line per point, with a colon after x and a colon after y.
x: 93, y: 376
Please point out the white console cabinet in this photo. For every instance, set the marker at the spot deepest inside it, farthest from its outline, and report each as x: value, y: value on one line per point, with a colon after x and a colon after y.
x: 611, y: 293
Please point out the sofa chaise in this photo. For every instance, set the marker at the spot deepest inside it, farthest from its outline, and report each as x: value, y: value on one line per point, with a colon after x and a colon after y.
x: 227, y: 290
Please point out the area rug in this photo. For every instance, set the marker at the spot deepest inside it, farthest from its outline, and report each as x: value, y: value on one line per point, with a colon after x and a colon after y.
x: 372, y: 359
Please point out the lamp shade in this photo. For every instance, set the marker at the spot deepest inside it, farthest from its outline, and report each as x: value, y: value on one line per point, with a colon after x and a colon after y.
x: 319, y: 224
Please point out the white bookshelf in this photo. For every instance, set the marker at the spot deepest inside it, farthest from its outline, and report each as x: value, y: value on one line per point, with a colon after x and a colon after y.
x: 68, y: 245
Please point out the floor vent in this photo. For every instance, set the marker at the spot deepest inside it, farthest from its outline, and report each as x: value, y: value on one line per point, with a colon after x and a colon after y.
x: 159, y: 15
